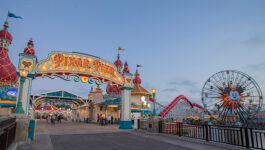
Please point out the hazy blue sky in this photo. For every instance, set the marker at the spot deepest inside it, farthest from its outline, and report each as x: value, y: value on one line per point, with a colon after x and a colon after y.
x: 179, y: 43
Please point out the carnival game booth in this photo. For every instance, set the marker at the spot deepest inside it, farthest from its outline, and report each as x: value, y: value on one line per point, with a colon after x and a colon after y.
x: 43, y: 112
x: 54, y: 97
x: 112, y: 107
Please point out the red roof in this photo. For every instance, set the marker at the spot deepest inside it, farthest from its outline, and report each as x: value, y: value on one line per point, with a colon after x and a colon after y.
x: 126, y: 68
x: 5, y: 34
x: 29, y: 49
x: 175, y: 101
x: 137, y: 79
x: 118, y: 62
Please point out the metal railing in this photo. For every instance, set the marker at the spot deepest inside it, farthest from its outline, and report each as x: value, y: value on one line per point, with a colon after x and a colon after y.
x: 7, y: 131
x: 245, y: 137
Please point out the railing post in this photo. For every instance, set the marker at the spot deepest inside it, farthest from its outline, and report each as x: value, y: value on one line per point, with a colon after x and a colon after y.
x: 210, y: 132
x: 242, y: 138
x: 178, y: 125
x: 160, y: 126
x: 251, y: 138
x: 206, y: 132
x: 181, y: 129
x: 138, y: 124
x: 203, y: 132
x: 246, y: 137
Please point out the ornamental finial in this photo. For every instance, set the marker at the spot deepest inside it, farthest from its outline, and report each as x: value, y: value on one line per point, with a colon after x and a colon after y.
x: 6, y: 25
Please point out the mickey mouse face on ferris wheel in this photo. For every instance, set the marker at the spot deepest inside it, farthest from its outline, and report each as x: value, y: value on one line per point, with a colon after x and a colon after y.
x: 234, y: 94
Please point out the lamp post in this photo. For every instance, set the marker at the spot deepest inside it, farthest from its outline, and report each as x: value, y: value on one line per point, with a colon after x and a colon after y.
x: 23, y: 74
x: 86, y: 116
x: 91, y: 108
x: 154, y: 101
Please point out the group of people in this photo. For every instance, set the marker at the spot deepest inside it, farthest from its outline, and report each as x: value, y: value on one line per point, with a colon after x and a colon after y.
x: 104, y: 120
x: 53, y: 118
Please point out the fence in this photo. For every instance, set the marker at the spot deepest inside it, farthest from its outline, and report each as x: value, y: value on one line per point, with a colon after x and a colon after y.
x: 245, y: 137
x: 7, y: 131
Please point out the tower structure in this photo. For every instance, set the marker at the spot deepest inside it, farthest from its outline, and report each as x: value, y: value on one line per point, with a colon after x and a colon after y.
x: 8, y: 73
x: 27, y: 72
x: 126, y: 68
x: 125, y: 122
x: 118, y: 63
x: 140, y: 96
x: 8, y: 70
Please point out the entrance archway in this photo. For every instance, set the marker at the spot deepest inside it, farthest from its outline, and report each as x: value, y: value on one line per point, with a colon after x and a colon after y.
x: 75, y: 66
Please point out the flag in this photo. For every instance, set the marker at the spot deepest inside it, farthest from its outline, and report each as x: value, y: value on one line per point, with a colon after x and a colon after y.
x: 139, y: 66
x: 13, y: 15
x: 120, y: 49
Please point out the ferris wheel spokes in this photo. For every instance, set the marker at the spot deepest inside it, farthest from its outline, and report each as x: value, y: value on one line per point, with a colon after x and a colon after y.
x: 233, y: 94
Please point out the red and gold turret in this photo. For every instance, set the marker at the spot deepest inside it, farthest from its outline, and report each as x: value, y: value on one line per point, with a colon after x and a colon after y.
x: 118, y: 63
x: 29, y: 49
x: 126, y: 68
x: 137, y: 79
x: 7, y: 69
x: 137, y: 88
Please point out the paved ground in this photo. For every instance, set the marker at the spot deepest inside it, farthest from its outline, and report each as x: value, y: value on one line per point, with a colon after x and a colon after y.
x: 110, y: 141
x: 80, y: 136
x: 67, y: 127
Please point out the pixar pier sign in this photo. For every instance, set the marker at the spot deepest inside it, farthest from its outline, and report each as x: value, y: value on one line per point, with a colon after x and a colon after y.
x: 84, y: 65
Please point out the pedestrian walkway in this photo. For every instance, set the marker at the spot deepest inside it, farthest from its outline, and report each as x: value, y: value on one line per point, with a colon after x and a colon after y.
x: 80, y: 136
x: 68, y: 127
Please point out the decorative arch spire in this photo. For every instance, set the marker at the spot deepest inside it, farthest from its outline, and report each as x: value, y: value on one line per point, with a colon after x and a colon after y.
x: 5, y: 36
x: 118, y: 62
x: 137, y: 79
x: 126, y: 68
x: 5, y: 25
x: 29, y: 49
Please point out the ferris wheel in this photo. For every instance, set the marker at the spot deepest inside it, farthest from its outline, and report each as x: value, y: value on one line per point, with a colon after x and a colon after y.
x: 233, y: 95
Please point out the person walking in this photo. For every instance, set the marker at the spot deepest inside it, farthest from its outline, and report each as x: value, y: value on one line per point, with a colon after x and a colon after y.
x: 101, y: 120
x: 53, y: 119
x: 59, y: 118
x: 132, y: 119
x: 48, y: 119
x: 109, y: 119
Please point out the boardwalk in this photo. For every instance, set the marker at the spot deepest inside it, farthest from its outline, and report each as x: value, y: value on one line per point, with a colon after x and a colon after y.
x: 80, y: 136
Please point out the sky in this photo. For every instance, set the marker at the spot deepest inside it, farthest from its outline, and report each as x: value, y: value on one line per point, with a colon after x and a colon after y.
x: 179, y: 43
